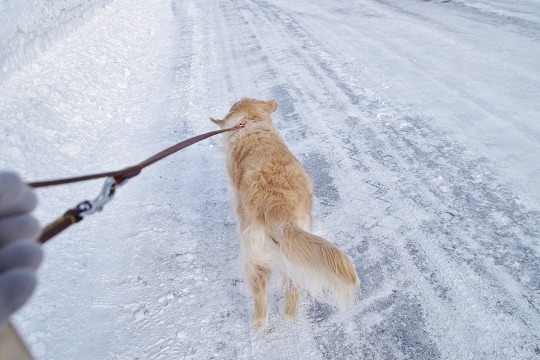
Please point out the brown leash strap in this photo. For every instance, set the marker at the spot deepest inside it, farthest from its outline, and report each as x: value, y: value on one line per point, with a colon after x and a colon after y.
x: 132, y: 171
x: 115, y: 178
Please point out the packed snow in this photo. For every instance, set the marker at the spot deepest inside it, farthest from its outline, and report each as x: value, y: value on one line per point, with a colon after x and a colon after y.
x: 27, y: 27
x: 418, y: 122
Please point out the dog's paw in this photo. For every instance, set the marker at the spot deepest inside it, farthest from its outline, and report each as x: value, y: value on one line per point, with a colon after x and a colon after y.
x: 290, y: 313
x: 259, y: 322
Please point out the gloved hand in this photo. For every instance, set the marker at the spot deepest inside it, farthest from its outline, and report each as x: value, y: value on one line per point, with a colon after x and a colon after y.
x: 20, y: 254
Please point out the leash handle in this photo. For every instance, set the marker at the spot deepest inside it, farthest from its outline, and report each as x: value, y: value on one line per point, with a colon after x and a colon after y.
x: 70, y: 217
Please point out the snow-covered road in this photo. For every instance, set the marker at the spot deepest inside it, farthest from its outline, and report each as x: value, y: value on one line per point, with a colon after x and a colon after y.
x: 418, y: 122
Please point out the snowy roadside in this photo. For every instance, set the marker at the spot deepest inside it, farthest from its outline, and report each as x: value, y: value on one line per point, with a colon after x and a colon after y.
x: 28, y: 27
x: 84, y: 106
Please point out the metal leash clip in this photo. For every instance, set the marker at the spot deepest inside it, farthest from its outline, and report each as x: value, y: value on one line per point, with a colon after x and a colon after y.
x: 106, y: 194
x: 79, y: 212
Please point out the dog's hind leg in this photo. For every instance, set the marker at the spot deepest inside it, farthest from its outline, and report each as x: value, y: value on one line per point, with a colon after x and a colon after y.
x: 258, y: 280
x: 290, y: 303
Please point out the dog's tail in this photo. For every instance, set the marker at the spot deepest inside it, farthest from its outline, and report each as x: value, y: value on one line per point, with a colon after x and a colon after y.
x: 317, y: 265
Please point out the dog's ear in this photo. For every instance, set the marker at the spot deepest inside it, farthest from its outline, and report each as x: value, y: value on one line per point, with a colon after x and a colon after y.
x: 219, y: 123
x: 272, y: 104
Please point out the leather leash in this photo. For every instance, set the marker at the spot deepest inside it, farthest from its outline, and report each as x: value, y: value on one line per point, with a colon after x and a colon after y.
x: 114, y: 179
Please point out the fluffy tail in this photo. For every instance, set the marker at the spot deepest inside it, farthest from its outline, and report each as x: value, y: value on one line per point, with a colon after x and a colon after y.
x: 317, y: 265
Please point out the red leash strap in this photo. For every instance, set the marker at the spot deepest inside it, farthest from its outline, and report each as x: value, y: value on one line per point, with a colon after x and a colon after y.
x: 115, y: 178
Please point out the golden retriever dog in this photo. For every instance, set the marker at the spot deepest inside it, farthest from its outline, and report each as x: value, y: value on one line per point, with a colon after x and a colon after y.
x: 273, y: 197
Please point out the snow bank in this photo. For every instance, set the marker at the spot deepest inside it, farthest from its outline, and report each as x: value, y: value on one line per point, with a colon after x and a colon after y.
x: 27, y: 27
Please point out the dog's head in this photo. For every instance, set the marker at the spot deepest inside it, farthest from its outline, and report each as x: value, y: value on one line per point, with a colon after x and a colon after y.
x: 247, y: 111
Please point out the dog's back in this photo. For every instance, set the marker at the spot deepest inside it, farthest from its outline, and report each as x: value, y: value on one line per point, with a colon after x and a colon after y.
x: 274, y: 203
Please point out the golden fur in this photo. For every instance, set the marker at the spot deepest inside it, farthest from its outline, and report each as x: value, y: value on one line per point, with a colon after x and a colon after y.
x: 273, y: 199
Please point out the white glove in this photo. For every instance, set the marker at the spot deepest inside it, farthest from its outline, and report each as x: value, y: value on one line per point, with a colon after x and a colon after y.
x: 20, y: 254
